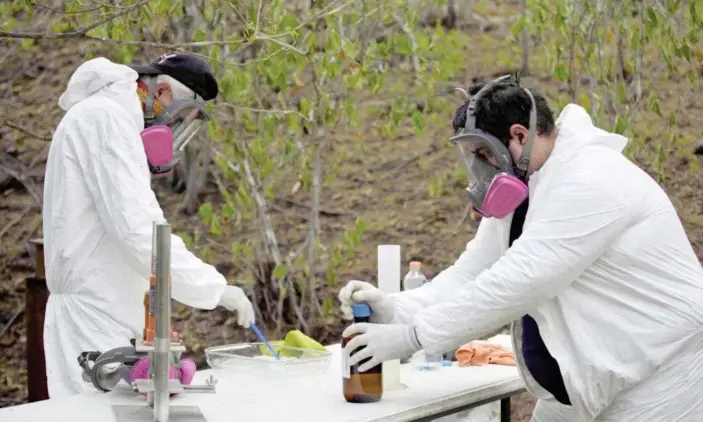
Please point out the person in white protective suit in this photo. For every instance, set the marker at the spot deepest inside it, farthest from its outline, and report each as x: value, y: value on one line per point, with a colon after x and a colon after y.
x: 99, y: 209
x: 602, y: 285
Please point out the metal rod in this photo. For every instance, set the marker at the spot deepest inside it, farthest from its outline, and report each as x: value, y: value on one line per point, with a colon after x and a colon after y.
x: 199, y: 388
x: 150, y: 394
x: 162, y: 341
x: 505, y: 410
x: 152, y: 311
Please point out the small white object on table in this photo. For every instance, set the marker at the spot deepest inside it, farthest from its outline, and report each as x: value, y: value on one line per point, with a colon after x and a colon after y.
x: 313, y: 399
x: 388, y: 262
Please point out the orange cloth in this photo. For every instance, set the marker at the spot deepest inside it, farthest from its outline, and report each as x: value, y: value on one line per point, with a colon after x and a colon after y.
x: 482, y: 353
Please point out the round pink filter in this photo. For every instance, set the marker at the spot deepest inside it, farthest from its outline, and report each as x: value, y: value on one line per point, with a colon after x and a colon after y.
x: 187, y: 368
x: 140, y: 371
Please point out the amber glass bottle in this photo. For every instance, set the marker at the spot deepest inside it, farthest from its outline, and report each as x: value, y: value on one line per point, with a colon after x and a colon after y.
x: 361, y: 387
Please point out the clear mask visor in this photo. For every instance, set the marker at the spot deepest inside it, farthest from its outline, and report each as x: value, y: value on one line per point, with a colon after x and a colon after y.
x: 185, y: 118
x: 183, y: 133
x: 484, y: 148
x: 464, y: 158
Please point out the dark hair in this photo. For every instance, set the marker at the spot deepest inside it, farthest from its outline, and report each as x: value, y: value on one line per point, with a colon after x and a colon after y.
x: 502, y: 106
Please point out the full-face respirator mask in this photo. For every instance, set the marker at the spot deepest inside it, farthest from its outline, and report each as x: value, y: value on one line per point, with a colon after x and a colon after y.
x: 106, y: 370
x: 494, y: 192
x: 167, y: 133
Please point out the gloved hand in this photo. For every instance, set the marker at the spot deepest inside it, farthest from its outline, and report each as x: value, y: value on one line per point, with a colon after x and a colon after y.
x: 380, y: 342
x: 234, y: 299
x: 382, y: 307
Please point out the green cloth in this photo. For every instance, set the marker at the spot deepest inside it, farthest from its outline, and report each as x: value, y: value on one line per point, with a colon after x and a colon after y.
x: 294, y: 338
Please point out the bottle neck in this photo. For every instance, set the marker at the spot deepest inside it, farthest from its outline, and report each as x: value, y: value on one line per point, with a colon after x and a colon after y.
x: 362, y: 319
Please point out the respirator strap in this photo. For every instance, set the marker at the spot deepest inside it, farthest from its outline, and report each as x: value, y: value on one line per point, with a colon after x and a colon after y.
x: 95, y: 370
x: 471, y: 108
x: 531, y: 134
x: 149, y: 101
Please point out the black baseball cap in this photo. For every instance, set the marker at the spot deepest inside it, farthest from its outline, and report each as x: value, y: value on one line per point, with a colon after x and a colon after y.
x: 186, y: 69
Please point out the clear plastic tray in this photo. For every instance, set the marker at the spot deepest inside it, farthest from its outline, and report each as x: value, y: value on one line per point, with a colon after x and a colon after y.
x: 255, y: 359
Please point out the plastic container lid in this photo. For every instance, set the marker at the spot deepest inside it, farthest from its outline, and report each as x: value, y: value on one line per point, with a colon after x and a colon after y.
x: 361, y: 310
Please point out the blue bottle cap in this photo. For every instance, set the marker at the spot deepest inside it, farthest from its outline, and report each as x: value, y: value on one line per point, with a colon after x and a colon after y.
x: 361, y: 310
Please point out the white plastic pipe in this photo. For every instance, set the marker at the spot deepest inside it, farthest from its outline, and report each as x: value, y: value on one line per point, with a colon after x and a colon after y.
x: 389, y: 282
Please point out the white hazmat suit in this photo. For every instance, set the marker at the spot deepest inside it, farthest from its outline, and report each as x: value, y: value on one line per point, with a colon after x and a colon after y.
x: 97, y: 215
x: 604, y: 267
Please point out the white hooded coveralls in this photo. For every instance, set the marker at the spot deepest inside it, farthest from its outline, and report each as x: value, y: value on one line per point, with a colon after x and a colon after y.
x: 97, y: 215
x: 604, y: 267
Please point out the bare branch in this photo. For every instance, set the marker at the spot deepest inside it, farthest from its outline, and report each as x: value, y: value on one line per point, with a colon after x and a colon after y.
x: 413, y: 42
x: 11, y: 321
x: 80, y: 33
x: 195, y: 44
x: 524, y: 40
x: 285, y: 45
x: 15, y: 221
x: 261, y: 110
x: 19, y: 171
x: 66, y: 12
x: 25, y: 131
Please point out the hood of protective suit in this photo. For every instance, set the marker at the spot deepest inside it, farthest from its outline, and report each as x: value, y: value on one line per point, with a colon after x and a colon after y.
x: 576, y: 130
x: 101, y: 77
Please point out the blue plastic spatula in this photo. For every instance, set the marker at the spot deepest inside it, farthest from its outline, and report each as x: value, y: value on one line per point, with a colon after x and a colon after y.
x: 262, y: 339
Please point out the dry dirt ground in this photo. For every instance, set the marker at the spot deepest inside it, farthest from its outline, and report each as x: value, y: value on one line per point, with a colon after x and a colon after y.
x: 386, y: 183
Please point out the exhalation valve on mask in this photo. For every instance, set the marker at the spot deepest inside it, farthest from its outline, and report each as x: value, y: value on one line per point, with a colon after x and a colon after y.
x: 494, y: 192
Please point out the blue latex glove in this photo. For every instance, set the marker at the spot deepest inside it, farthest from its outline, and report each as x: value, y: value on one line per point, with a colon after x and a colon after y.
x: 380, y: 342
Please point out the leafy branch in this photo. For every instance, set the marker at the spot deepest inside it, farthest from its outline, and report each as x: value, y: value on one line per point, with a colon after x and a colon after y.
x: 294, y: 78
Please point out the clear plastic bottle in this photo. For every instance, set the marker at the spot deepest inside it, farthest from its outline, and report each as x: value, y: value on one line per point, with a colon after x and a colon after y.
x: 414, y: 278
x: 421, y: 360
x: 361, y: 387
x: 425, y: 361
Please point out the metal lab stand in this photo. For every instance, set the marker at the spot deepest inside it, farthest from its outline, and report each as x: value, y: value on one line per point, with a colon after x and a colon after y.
x: 158, y: 387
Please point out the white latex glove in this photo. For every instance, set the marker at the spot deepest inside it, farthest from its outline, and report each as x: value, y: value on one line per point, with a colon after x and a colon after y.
x: 234, y: 299
x: 382, y: 307
x: 379, y: 343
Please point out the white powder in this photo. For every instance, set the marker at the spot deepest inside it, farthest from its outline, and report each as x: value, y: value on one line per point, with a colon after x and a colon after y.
x: 266, y: 357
